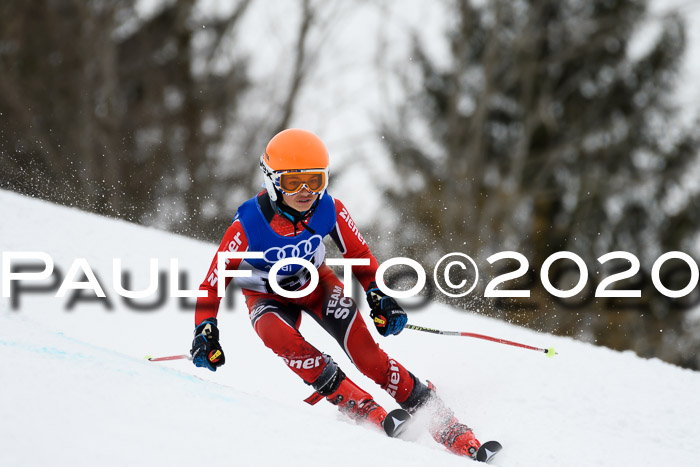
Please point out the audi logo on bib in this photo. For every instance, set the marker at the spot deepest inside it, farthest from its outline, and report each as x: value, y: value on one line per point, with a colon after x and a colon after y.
x: 300, y: 250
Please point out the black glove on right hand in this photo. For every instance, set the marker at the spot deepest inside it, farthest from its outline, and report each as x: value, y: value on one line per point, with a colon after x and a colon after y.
x: 388, y: 317
x: 206, y: 351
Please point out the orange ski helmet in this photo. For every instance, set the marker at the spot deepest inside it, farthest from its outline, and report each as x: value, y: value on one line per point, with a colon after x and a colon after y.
x: 295, y: 159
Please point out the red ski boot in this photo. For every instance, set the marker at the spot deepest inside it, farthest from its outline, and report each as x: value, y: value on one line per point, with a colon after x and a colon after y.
x: 443, y: 426
x: 448, y: 431
x: 356, y: 403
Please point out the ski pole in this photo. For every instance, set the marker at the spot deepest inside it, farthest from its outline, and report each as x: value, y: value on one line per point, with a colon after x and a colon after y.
x: 171, y: 357
x: 548, y: 352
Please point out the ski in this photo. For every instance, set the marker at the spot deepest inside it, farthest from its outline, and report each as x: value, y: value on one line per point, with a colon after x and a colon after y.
x: 487, y: 451
x: 396, y: 423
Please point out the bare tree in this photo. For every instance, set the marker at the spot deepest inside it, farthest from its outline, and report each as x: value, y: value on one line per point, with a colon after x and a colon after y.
x: 132, y: 116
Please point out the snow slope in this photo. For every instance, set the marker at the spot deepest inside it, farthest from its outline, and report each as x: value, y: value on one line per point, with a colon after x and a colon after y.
x: 75, y: 389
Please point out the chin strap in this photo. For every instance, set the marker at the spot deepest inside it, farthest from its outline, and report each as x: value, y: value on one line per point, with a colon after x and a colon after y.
x: 294, y: 216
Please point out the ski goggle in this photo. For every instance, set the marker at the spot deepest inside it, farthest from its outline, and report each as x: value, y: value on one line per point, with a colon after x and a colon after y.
x: 291, y: 182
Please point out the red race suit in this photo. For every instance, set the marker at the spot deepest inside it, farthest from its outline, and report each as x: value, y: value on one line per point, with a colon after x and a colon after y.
x: 259, y: 226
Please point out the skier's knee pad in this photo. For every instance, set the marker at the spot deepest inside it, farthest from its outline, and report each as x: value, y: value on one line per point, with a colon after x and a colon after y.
x: 330, y: 378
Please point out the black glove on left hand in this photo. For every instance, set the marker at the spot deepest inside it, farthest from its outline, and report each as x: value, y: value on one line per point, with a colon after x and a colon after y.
x: 388, y: 317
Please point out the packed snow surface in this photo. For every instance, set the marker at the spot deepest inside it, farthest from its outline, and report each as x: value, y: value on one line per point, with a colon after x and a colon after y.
x: 75, y: 389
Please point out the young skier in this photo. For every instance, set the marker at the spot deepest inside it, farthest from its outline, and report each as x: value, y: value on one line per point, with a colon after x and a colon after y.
x: 290, y: 218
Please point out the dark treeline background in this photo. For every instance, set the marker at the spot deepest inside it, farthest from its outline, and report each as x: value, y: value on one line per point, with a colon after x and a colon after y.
x: 539, y: 132
x: 542, y: 134
x: 128, y: 116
